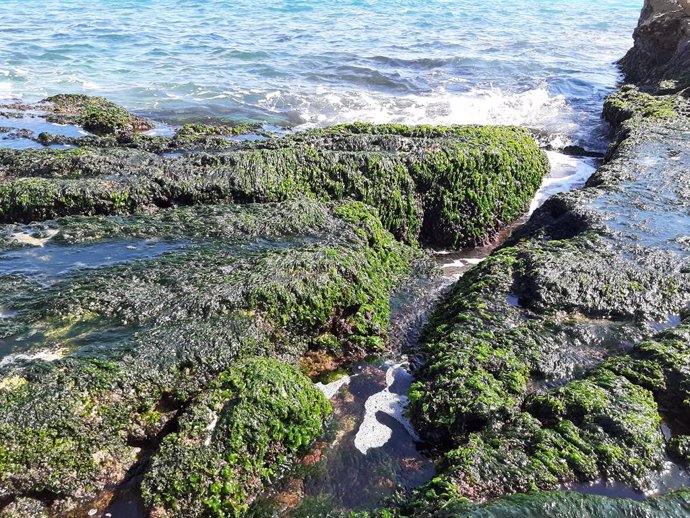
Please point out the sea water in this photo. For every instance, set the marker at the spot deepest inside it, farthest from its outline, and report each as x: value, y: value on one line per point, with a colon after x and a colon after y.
x: 546, y: 64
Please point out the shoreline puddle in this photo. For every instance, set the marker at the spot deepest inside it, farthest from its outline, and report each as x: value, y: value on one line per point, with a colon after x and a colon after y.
x: 372, y: 433
x: 50, y: 261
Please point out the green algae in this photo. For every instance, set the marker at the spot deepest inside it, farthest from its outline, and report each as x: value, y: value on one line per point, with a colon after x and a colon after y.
x: 94, y: 114
x: 455, y: 186
x: 195, y: 222
x: 195, y: 132
x: 563, y: 504
x: 72, y: 427
x: 242, y: 433
x: 630, y: 103
x: 501, y: 397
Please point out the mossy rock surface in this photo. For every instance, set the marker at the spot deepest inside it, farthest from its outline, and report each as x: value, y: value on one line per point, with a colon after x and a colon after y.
x: 446, y: 186
x: 630, y: 103
x: 562, y: 504
x: 94, y: 114
x: 241, y: 433
x: 529, y: 380
x: 105, y: 361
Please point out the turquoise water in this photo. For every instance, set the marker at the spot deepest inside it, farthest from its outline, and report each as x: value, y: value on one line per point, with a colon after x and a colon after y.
x: 546, y: 64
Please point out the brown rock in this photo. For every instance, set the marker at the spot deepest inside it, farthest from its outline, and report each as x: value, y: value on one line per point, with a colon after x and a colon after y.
x: 660, y: 59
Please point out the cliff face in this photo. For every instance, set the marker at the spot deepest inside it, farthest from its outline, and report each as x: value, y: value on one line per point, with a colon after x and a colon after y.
x: 660, y: 59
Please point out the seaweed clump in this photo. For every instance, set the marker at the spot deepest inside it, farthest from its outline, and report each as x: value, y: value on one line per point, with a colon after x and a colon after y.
x: 242, y: 433
x: 94, y: 114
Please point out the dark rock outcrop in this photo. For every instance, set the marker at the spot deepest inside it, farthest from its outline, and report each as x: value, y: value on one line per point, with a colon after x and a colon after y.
x: 660, y: 59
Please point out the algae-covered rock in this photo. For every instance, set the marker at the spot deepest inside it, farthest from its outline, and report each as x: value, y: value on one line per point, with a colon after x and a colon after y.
x: 629, y: 103
x: 515, y: 391
x: 94, y: 114
x: 602, y: 426
x: 561, y: 504
x: 104, y: 361
x: 196, y: 132
x: 679, y: 448
x: 240, y: 434
x: 454, y: 186
x: 557, y: 503
x: 23, y: 507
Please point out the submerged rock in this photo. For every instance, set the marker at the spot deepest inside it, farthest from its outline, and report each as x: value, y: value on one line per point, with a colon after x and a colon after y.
x: 559, y: 504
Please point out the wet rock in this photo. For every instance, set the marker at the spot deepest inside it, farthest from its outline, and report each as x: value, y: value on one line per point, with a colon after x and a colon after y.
x: 630, y: 103
x: 145, y: 341
x: 239, y: 435
x: 660, y: 58
x: 679, y: 448
x: 23, y: 507
x: 455, y: 186
x: 188, y: 138
x: 521, y: 397
x: 564, y: 505
x: 94, y: 114
x: 579, y: 151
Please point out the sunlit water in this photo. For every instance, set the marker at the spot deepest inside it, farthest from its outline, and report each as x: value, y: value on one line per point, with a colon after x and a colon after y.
x: 534, y: 62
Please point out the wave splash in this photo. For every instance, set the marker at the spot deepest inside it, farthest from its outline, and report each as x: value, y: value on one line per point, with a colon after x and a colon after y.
x: 536, y: 108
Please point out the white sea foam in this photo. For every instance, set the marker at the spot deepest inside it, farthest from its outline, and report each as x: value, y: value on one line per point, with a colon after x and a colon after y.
x: 533, y: 108
x: 45, y: 355
x: 460, y: 263
x: 6, y: 90
x: 567, y: 173
x: 374, y: 434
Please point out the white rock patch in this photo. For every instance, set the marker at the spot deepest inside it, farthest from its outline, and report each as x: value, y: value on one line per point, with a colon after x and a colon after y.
x: 331, y: 389
x: 373, y: 434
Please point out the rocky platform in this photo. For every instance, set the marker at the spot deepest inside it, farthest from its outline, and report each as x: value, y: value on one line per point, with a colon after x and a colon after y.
x: 155, y: 310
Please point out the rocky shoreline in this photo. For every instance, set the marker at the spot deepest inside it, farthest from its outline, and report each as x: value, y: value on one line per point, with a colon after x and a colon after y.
x: 564, y: 356
x: 221, y: 271
x: 180, y: 363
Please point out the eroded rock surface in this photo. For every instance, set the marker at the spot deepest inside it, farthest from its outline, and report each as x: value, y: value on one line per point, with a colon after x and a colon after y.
x: 660, y: 58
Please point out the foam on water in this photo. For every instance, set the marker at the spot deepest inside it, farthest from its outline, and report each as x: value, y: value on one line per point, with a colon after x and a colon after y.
x: 47, y: 355
x: 26, y: 238
x: 535, y: 108
x: 567, y: 173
